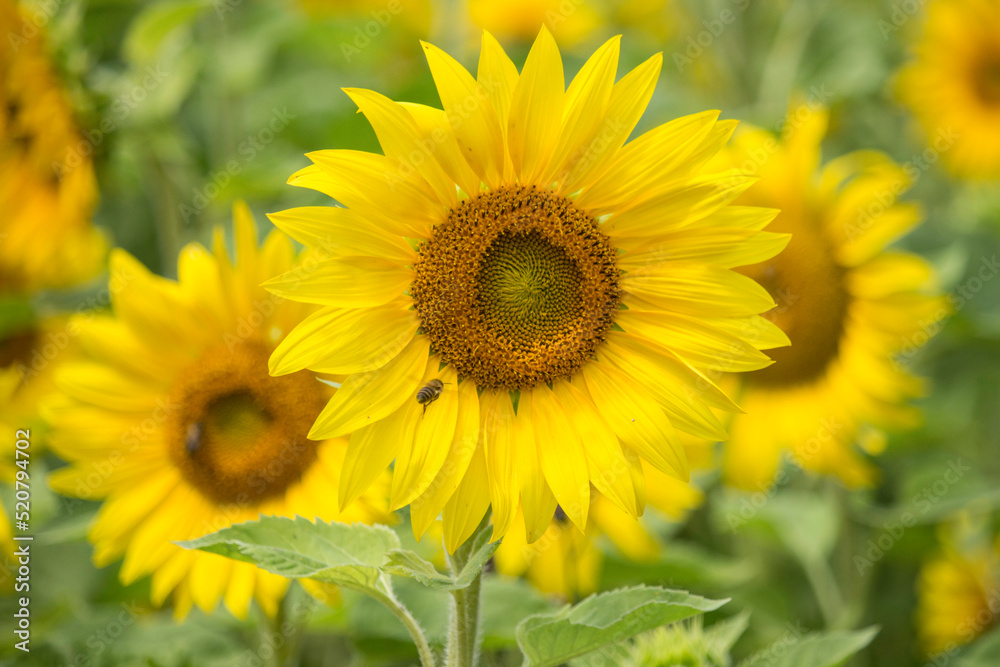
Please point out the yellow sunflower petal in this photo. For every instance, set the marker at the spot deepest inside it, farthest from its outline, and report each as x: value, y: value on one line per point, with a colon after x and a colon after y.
x: 496, y: 415
x: 466, y: 507
x: 346, y: 341
x: 401, y: 140
x: 372, y: 449
x: 586, y: 100
x: 537, y: 502
x: 629, y: 98
x: 419, y: 460
x: 699, y: 289
x: 536, y: 109
x: 643, y: 165
x: 608, y: 469
x: 365, y: 398
x: 427, y: 507
x: 470, y: 113
x: 561, y: 454
x: 346, y: 282
x: 636, y: 418
x: 341, y: 231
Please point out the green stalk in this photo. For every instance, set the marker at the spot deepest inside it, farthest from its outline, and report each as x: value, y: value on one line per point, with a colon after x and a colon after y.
x: 406, y: 618
x: 463, y: 634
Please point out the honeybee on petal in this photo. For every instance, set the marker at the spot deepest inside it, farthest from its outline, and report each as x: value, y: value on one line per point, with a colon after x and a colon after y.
x: 429, y: 393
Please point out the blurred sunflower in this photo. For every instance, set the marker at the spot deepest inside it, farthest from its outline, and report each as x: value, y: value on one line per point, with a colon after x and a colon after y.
x: 956, y: 598
x: 177, y: 425
x: 567, y: 563
x: 570, y: 22
x: 848, y: 305
x: 568, y: 291
x: 953, y: 84
x: 47, y: 184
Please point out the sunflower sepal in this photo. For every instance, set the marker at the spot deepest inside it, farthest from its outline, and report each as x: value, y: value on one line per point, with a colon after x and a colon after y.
x: 405, y: 563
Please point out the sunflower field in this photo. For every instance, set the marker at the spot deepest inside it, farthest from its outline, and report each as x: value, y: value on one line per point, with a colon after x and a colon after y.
x: 344, y: 333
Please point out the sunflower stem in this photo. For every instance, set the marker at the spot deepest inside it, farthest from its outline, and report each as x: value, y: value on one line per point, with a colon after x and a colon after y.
x: 406, y: 618
x: 463, y: 636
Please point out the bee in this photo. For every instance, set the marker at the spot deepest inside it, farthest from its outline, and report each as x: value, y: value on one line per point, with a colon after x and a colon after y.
x: 192, y: 441
x: 429, y: 393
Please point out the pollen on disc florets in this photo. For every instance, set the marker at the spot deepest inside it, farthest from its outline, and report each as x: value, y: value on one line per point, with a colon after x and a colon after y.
x: 237, y: 434
x: 516, y: 287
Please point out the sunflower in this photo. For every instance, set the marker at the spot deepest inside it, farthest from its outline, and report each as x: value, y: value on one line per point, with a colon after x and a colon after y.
x: 848, y: 305
x: 176, y: 424
x: 953, y: 85
x: 567, y: 562
x: 571, y: 23
x: 566, y: 289
x: 47, y: 184
x: 957, y: 598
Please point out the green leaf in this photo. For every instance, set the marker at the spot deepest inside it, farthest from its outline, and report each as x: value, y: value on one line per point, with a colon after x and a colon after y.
x: 506, y: 602
x: 155, y: 24
x: 404, y: 563
x: 551, y: 639
x: 723, y: 635
x: 985, y: 652
x: 337, y: 553
x: 818, y: 650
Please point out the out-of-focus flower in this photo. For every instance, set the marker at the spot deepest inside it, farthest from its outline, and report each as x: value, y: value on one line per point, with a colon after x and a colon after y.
x: 958, y: 595
x: 849, y: 306
x: 953, y: 84
x: 535, y: 223
x: 567, y: 563
x: 47, y: 184
x: 570, y: 22
x: 176, y: 424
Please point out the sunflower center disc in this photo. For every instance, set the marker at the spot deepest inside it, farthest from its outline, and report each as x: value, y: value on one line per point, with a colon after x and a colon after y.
x: 986, y: 79
x: 516, y: 287
x: 237, y: 434
x: 811, y: 306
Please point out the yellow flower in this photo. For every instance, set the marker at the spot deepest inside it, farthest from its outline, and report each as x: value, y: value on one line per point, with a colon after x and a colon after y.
x: 47, y: 185
x: 570, y: 22
x: 849, y: 306
x: 953, y: 84
x: 567, y: 563
x: 176, y: 424
x: 567, y: 290
x: 957, y: 594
